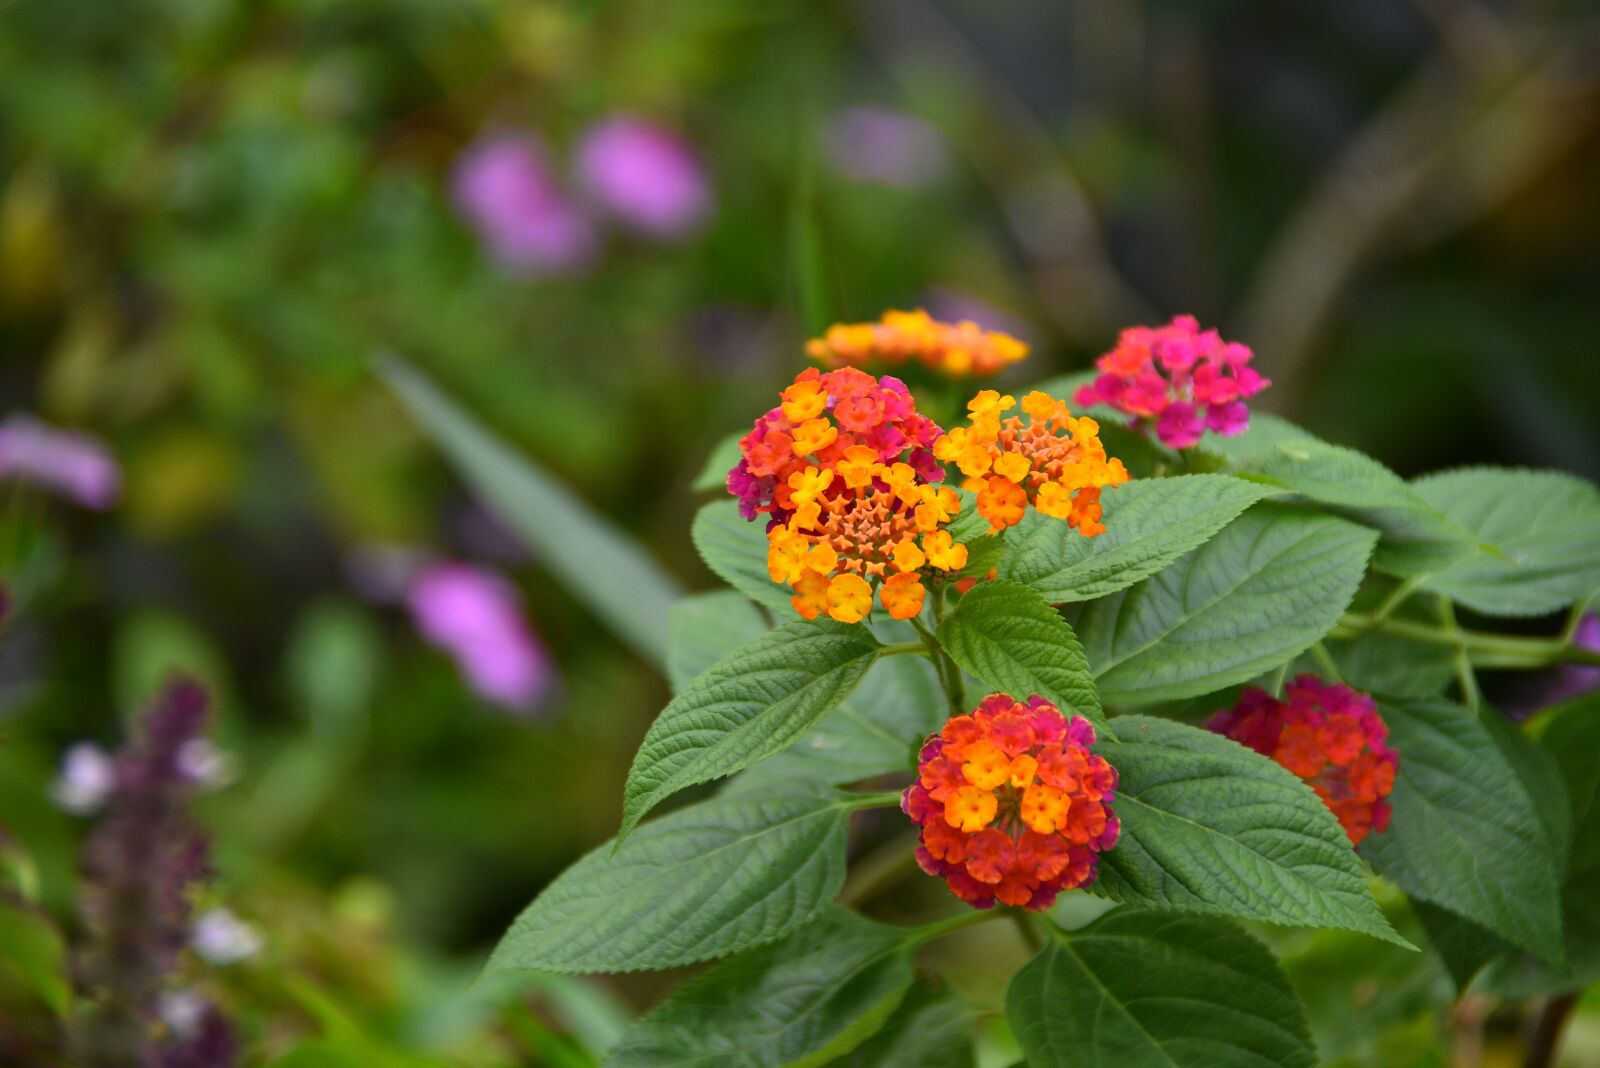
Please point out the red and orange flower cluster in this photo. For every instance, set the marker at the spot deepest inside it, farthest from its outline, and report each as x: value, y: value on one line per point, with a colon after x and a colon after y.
x: 1013, y: 805
x: 1054, y: 461
x: 1179, y: 379
x: 960, y: 350
x: 844, y: 469
x: 1330, y: 736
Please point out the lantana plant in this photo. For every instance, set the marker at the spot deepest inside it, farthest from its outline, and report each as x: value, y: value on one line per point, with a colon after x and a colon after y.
x: 1159, y: 683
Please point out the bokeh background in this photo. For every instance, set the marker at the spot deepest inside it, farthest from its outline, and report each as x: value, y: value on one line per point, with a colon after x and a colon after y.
x: 606, y: 229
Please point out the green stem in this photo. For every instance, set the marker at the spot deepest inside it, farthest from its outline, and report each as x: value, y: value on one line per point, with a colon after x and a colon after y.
x: 1465, y: 679
x: 943, y: 927
x: 1486, y: 650
x: 905, y: 649
x: 1397, y: 597
x: 1030, y: 933
x: 1324, y: 659
x: 944, y: 667
x: 875, y: 799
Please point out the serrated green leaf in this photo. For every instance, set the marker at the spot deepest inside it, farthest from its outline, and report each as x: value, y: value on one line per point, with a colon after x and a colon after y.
x: 34, y: 950
x: 927, y: 1031
x: 1012, y: 639
x: 1255, y: 596
x: 724, y: 457
x: 1416, y: 536
x: 1571, y: 736
x: 735, y: 549
x: 1546, y: 526
x: 1210, y: 826
x: 1139, y: 988
x: 704, y: 628
x: 1465, y: 834
x: 1149, y: 524
x: 705, y: 881
x: 605, y: 569
x: 751, y: 704
x: 804, y: 1001
x: 876, y: 730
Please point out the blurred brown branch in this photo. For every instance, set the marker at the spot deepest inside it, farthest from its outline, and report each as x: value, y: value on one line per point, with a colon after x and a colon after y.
x: 1451, y: 146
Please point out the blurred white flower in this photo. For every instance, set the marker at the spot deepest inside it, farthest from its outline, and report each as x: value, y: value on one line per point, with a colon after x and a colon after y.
x: 221, y: 938
x: 182, y: 1011
x: 88, y: 775
x: 202, y: 762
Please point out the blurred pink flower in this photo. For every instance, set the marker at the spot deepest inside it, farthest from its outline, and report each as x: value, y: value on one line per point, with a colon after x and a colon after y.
x: 869, y: 143
x: 476, y: 616
x: 505, y: 189
x: 74, y: 465
x: 644, y: 175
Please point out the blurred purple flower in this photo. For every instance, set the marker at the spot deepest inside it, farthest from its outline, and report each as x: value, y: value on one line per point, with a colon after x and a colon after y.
x: 74, y: 465
x: 644, y: 175
x: 476, y: 616
x: 869, y: 143
x: 1561, y: 683
x: 505, y: 189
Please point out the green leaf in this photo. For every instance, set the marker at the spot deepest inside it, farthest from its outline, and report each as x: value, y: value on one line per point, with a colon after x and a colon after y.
x: 927, y: 1031
x: 33, y: 949
x: 1465, y: 834
x: 1210, y: 826
x: 1546, y: 526
x: 1140, y: 988
x: 1254, y: 597
x: 705, y: 881
x: 1463, y: 946
x: 752, y: 703
x: 875, y: 731
x: 1013, y: 640
x: 735, y: 549
x: 804, y: 1001
x: 704, y: 628
x: 1416, y: 536
x: 1149, y: 524
x: 1571, y: 736
x: 724, y: 457
x: 601, y: 566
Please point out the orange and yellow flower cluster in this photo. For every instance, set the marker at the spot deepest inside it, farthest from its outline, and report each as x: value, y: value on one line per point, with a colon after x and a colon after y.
x: 1055, y: 461
x: 960, y: 350
x: 843, y: 468
x: 1013, y: 804
x: 1330, y: 736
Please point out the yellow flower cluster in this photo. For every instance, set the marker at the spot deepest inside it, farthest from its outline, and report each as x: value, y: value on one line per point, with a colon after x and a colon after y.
x: 959, y: 350
x: 859, y: 523
x: 1055, y: 461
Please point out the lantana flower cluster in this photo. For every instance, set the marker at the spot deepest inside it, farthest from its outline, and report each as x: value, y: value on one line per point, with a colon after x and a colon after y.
x: 1054, y: 461
x: 844, y: 469
x: 960, y: 350
x: 1178, y: 379
x: 1013, y: 804
x: 1329, y: 735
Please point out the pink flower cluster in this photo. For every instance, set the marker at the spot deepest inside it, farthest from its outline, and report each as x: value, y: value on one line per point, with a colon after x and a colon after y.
x: 1178, y: 379
x: 823, y: 416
